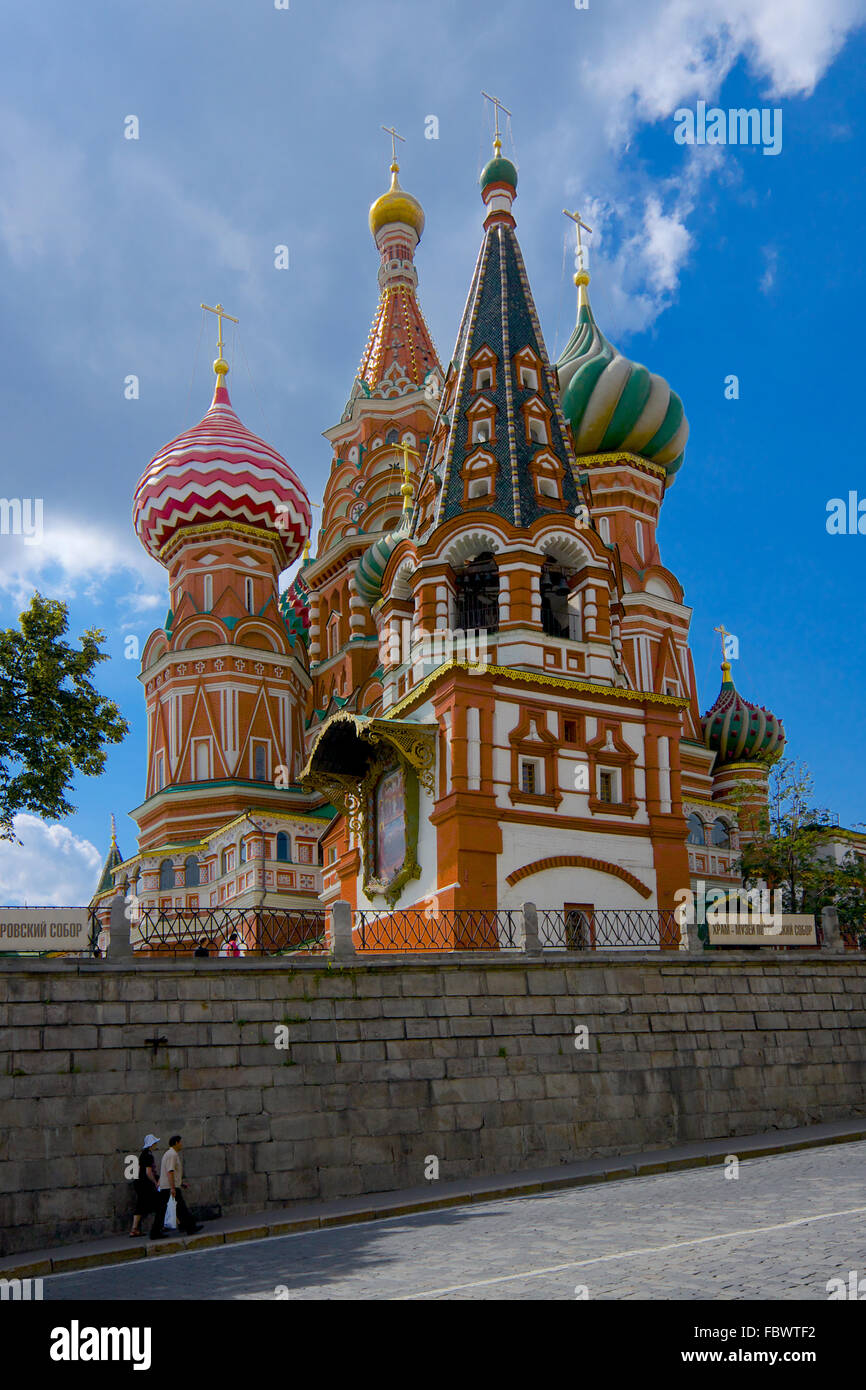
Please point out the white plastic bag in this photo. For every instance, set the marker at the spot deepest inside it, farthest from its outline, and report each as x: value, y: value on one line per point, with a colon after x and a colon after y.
x: 170, y: 1222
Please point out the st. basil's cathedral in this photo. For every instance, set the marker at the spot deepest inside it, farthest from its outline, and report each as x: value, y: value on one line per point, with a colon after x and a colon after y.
x: 479, y: 691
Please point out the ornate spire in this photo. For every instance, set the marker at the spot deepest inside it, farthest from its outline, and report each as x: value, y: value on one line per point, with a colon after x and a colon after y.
x: 502, y: 445
x: 399, y: 355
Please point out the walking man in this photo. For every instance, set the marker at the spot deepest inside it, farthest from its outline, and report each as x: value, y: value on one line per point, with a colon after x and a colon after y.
x: 170, y: 1184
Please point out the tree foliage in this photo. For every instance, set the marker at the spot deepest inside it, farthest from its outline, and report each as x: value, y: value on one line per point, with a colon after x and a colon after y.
x: 53, y: 721
x: 789, y: 850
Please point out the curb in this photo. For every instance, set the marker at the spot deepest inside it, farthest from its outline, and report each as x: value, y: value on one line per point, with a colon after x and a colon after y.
x: 37, y: 1267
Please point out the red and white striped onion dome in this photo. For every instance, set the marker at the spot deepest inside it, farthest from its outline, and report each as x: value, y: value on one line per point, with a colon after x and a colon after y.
x: 219, y: 471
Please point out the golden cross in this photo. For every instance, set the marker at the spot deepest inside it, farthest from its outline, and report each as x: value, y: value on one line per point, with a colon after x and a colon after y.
x: 221, y: 314
x: 497, y: 107
x: 578, y: 222
x: 406, y: 488
x: 723, y: 633
x: 389, y: 130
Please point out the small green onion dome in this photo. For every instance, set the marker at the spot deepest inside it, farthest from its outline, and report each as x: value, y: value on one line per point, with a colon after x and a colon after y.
x: 498, y: 170
x: 373, y: 563
x: 739, y: 731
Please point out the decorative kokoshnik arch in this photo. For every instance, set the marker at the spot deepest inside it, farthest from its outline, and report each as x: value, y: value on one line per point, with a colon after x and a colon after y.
x: 579, y: 861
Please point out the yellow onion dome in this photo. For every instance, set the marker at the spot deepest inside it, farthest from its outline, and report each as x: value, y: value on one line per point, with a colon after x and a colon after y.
x: 396, y: 206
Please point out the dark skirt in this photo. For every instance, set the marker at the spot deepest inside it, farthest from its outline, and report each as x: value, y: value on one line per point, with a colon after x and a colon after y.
x: 145, y: 1197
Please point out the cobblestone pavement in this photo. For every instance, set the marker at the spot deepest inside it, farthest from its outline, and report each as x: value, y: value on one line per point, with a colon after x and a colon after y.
x: 784, y: 1227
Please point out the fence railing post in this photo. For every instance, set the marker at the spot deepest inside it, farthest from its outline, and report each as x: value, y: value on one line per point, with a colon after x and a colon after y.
x: 830, y: 927
x: 119, y: 944
x: 528, y: 939
x: 342, y: 944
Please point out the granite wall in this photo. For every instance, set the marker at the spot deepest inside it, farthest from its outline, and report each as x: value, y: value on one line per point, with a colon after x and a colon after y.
x: 479, y: 1061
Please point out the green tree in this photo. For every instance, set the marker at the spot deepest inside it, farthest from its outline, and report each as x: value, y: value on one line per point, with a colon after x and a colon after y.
x: 788, y: 849
x: 53, y: 721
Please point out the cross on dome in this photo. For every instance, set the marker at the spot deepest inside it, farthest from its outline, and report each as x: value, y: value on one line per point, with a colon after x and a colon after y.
x: 582, y: 276
x: 497, y: 107
x: 220, y: 366
x: 389, y: 130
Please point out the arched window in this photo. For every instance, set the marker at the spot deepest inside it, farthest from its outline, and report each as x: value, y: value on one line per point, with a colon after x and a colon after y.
x: 208, y: 592
x: 248, y: 587
x: 720, y: 834
x: 333, y: 631
x: 559, y: 617
x: 190, y: 872
x: 392, y: 437
x: 696, y: 830
x: 224, y: 862
x: 478, y: 594
x: 260, y: 763
x: 166, y: 874
x: 284, y: 848
x: 242, y: 852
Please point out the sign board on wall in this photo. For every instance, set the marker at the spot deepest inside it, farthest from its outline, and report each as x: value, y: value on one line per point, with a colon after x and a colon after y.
x: 44, y: 928
x: 789, y: 929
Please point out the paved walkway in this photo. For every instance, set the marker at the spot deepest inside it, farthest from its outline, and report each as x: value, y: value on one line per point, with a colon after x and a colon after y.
x: 782, y: 1229
x: 324, y: 1216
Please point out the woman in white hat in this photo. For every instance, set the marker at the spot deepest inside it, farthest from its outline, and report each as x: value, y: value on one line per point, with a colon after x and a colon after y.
x: 145, y: 1184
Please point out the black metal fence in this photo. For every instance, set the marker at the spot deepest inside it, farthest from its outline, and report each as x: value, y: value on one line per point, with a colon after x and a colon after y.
x: 236, y: 932
x: 575, y: 929
x: 228, y: 931
x: 454, y: 929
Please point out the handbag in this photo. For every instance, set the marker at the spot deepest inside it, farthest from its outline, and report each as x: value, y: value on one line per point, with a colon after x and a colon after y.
x: 170, y: 1219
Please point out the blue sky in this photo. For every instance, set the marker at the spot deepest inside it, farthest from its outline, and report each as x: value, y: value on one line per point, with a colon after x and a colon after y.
x: 261, y: 127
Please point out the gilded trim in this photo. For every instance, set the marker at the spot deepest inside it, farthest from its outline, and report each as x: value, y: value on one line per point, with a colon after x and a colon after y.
x: 273, y: 539
x: 610, y: 460
x: 534, y: 678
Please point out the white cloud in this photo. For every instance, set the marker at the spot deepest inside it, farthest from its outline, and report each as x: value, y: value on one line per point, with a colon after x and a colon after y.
x: 663, y: 53
x: 771, y: 262
x: 51, y: 866
x: 644, y: 62
x: 75, y: 558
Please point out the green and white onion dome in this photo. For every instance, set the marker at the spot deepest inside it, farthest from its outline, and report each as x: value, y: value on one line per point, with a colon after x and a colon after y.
x: 373, y: 563
x: 612, y: 403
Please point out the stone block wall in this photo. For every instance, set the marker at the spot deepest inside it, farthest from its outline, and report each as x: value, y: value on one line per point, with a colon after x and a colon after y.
x: 466, y: 1058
